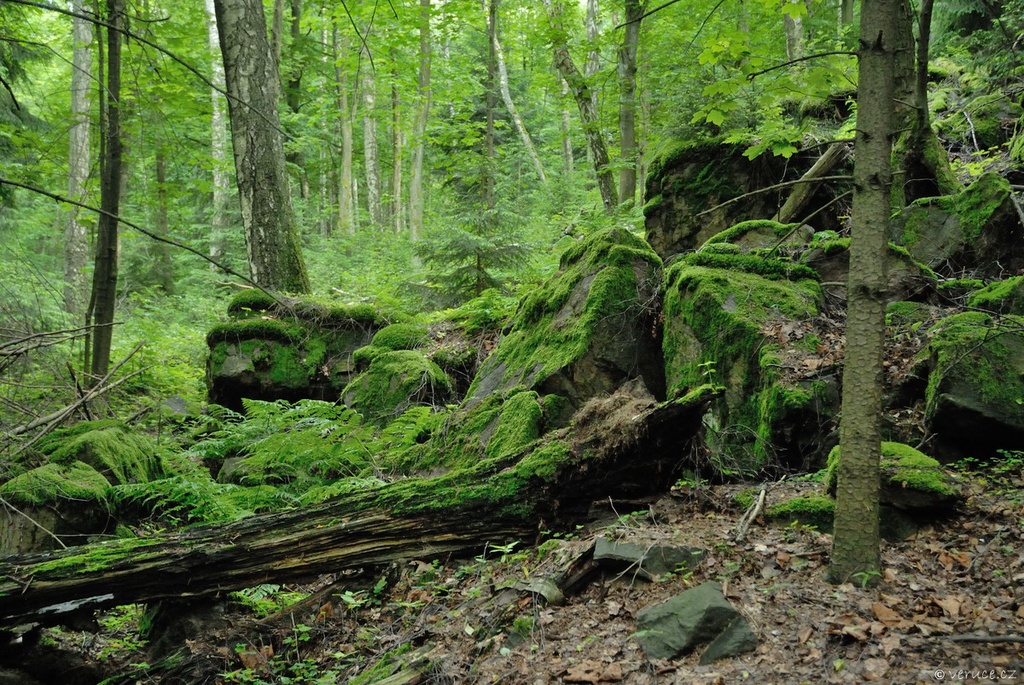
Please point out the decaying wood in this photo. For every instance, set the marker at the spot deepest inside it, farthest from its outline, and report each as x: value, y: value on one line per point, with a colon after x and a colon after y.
x: 620, y: 445
x: 819, y: 171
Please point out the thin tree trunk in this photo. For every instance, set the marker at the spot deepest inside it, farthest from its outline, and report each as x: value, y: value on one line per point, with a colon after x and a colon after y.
x: 277, y: 33
x: 76, y: 242
x: 370, y: 158
x: 568, y: 163
x: 506, y: 96
x: 855, y: 546
x: 272, y: 242
x: 293, y: 93
x: 803, y: 192
x: 593, y: 63
x: 634, y: 10
x: 397, y: 153
x: 104, y: 280
x: 218, y: 141
x: 419, y: 130
x: 794, y: 27
x: 163, y: 268
x: 585, y: 103
x: 346, y: 206
x: 490, y: 155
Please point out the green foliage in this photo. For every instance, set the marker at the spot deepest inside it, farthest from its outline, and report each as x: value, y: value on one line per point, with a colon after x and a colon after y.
x: 464, y: 263
x: 120, y: 453
x: 490, y: 311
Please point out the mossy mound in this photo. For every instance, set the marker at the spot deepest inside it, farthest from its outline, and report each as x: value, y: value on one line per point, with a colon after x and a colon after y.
x: 817, y: 511
x: 976, y: 382
x: 394, y: 381
x: 400, y: 336
x: 763, y: 235
x: 977, y: 229
x: 714, y: 318
x: 1001, y: 297
x: 113, y: 449
x: 910, y: 480
x: 51, y: 483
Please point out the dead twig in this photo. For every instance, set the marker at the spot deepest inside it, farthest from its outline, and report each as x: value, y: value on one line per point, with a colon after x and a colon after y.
x: 752, y: 513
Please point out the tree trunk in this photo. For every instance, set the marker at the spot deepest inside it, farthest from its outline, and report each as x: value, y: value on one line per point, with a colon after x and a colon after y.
x: 419, y: 128
x: 293, y: 93
x: 489, y: 161
x: 163, y: 267
x: 585, y: 103
x: 346, y: 205
x: 104, y: 278
x: 804, y: 191
x: 404, y: 520
x: 370, y: 158
x: 397, y: 153
x: 272, y: 242
x: 633, y: 10
x: 506, y: 96
x: 76, y: 242
x: 593, y: 64
x: 794, y: 27
x: 218, y: 141
x: 568, y: 163
x: 855, y: 547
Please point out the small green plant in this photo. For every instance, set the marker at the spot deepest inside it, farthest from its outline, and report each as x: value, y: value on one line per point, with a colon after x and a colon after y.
x: 867, y: 578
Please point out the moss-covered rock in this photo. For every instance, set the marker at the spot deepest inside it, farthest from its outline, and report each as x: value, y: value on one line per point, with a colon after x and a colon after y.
x: 977, y: 230
x: 812, y: 510
x: 113, y: 449
x: 54, y: 500
x: 907, y: 277
x: 763, y: 235
x: 394, y: 381
x: 400, y: 336
x: 687, y: 180
x: 1001, y: 297
x: 714, y: 321
x: 286, y: 349
x: 910, y: 480
x: 976, y: 382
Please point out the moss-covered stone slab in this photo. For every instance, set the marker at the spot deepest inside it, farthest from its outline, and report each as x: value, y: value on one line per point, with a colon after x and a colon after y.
x: 765, y: 235
x: 1001, y: 297
x: 976, y: 382
x: 976, y: 230
x: 911, y: 481
x: 829, y: 256
x: 119, y: 453
x: 716, y: 307
x: 286, y: 349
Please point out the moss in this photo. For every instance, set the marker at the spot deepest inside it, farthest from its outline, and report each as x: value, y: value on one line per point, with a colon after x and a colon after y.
x: 263, y: 329
x: 113, y: 449
x: 394, y: 381
x: 904, y: 314
x: 364, y: 356
x: 973, y: 207
x: 813, y: 510
x: 519, y: 425
x: 713, y: 321
x: 746, y: 498
x: 964, y: 349
x: 550, y: 332
x: 97, y: 557
x: 250, y: 302
x: 1004, y: 297
x: 737, y: 231
x: 902, y: 467
x: 400, y: 336
x: 772, y: 269
x: 53, y: 482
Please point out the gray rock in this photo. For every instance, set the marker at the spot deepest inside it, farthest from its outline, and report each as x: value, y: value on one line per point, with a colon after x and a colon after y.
x: 648, y: 561
x: 699, y: 615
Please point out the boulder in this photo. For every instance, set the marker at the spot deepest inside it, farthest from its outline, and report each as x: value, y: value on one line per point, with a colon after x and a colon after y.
x: 287, y: 349
x: 1001, y: 297
x: 394, y: 381
x: 911, y: 481
x: 719, y: 310
x: 829, y: 255
x: 975, y: 370
x: 977, y: 230
x: 697, y: 616
x: 644, y: 561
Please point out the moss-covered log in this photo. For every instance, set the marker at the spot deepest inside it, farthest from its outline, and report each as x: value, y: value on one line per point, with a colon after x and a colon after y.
x: 623, y: 445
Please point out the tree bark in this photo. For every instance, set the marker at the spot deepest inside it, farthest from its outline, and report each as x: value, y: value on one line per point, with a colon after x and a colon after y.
x: 104, y: 280
x: 419, y: 128
x: 506, y: 96
x: 489, y: 161
x: 370, y: 157
x: 396, y: 522
x: 585, y: 103
x: 76, y: 243
x: 633, y: 11
x: 855, y: 547
x: 272, y: 242
x: 794, y: 27
x: 293, y: 92
x: 568, y: 162
x: 163, y: 266
x: 397, y: 153
x: 219, y: 220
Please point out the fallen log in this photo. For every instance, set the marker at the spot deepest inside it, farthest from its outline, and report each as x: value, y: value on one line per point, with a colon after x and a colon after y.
x: 623, y: 445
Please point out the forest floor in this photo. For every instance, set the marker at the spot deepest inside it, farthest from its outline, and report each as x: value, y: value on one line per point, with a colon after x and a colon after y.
x: 949, y: 606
